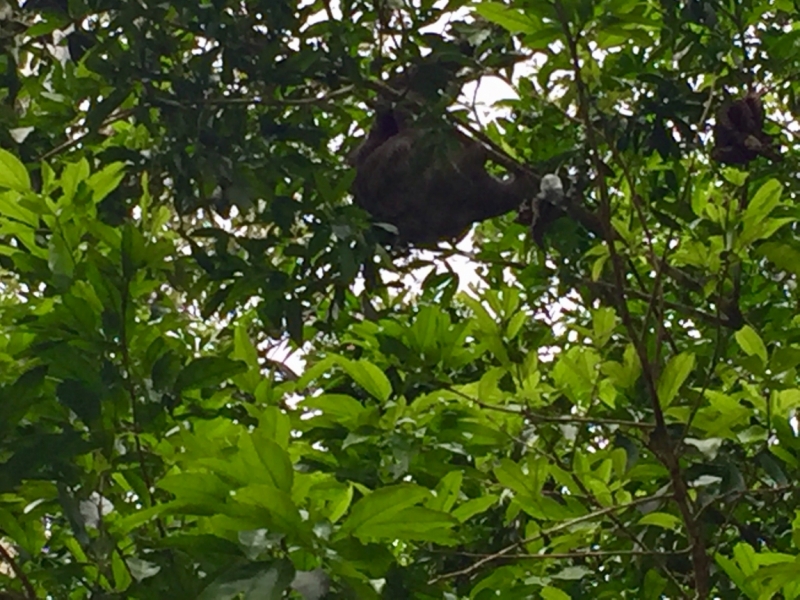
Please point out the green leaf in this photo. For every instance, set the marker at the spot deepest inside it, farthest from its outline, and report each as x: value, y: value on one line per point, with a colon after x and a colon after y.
x: 203, y: 491
x: 339, y: 409
x: 426, y: 333
x: 446, y: 492
x: 245, y: 351
x: 275, y: 425
x: 735, y: 176
x: 735, y: 574
x: 756, y: 221
x: 369, y: 377
x: 71, y: 177
x: 510, y: 19
x: 486, y: 322
x: 510, y: 475
x: 274, y: 460
x: 473, y: 507
x: 551, y: 593
x: 13, y: 174
x: 515, y: 324
x: 546, y: 509
x: 15, y: 531
x: 383, y: 505
x: 119, y: 569
x: 763, y: 202
x: 654, y: 585
x: 338, y: 507
x: 784, y: 256
x: 59, y: 258
x: 675, y: 373
x: 10, y: 206
x: 603, y: 322
x: 256, y: 581
x: 106, y: 181
x: 415, y: 523
x: 574, y: 573
x: 207, y: 371
x: 795, y: 529
x: 283, y: 513
x: 134, y: 250
x: 762, y: 230
x: 660, y: 519
x: 488, y: 387
x: 751, y: 343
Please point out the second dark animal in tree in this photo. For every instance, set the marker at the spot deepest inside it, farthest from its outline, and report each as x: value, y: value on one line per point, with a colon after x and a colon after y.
x: 739, y: 132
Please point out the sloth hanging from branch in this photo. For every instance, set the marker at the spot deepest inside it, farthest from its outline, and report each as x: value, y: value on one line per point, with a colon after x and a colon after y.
x: 428, y: 179
x: 429, y: 183
x: 420, y: 174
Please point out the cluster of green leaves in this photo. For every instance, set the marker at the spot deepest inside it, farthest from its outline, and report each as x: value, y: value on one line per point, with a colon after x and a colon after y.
x: 603, y: 419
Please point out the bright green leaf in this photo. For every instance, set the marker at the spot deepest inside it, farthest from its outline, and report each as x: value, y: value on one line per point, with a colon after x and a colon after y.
x: 13, y: 174
x: 510, y: 19
x: 749, y: 341
x: 660, y: 519
x: 675, y: 373
x: 382, y: 505
x: 551, y: 593
x: 763, y: 202
x: 106, y: 181
x: 369, y: 377
x: 603, y: 322
x: 473, y: 507
x: 446, y: 492
x: 414, y: 523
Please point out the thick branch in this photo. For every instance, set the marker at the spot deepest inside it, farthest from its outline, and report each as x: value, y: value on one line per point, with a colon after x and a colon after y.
x: 667, y: 452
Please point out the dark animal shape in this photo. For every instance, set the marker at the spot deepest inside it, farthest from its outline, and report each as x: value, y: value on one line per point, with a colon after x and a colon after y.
x: 739, y: 132
x: 431, y: 185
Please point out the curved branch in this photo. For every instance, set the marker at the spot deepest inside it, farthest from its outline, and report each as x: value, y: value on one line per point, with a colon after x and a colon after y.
x: 20, y: 574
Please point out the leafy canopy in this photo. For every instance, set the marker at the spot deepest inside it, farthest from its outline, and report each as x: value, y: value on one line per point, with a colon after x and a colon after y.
x: 612, y: 416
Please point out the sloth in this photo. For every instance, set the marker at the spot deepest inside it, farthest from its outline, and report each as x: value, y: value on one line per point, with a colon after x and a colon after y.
x: 428, y: 184
x: 739, y: 132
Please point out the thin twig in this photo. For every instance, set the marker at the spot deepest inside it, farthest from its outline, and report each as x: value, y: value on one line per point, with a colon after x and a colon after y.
x: 660, y: 442
x: 546, y: 532
x: 127, y: 365
x: 535, y: 417
x: 585, y: 554
x: 119, y: 116
x: 20, y: 574
x: 257, y: 100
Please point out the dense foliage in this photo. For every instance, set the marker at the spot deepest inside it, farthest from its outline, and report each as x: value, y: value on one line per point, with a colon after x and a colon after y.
x: 606, y: 416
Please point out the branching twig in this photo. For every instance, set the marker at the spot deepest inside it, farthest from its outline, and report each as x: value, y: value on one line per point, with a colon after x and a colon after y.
x: 128, y: 366
x: 567, y: 420
x: 257, y: 100
x: 586, y: 554
x: 546, y: 532
x: 119, y: 116
x: 690, y: 311
x: 660, y: 442
x: 30, y: 592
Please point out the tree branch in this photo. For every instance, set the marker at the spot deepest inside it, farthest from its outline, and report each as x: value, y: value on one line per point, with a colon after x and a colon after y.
x: 545, y: 532
x: 20, y: 574
x: 660, y: 442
